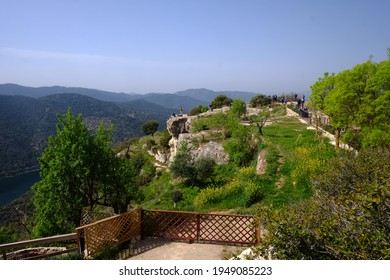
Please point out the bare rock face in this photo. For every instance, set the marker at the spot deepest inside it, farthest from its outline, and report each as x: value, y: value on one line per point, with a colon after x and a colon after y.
x: 161, y: 156
x: 177, y: 126
x: 212, y: 150
x: 198, y: 149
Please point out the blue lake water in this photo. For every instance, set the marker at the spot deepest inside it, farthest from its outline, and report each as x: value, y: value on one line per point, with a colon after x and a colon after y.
x: 13, y: 187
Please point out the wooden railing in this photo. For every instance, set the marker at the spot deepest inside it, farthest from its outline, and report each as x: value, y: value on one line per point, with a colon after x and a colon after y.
x: 40, y: 241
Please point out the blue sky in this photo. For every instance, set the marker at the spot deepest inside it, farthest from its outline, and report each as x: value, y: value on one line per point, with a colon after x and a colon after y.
x: 170, y: 45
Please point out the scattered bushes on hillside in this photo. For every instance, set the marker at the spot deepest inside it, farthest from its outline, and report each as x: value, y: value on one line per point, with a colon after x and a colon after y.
x: 164, y: 138
x: 6, y: 235
x: 198, y: 110
x: 244, y: 190
x: 347, y: 218
x: 217, y: 121
x: 241, y: 146
x: 197, y: 172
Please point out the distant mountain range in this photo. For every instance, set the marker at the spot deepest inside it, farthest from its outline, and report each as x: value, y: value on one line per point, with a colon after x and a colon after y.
x: 26, y: 123
x: 28, y: 115
x: 186, y: 99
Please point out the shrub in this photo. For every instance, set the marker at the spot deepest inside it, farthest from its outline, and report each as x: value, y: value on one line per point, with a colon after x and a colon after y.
x: 348, y: 217
x: 259, y: 101
x: 198, y: 110
x: 221, y: 101
x: 164, y: 139
x: 181, y: 166
x: 241, y: 146
x: 244, y: 190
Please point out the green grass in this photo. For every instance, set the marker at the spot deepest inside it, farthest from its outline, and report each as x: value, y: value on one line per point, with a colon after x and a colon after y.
x: 293, y: 155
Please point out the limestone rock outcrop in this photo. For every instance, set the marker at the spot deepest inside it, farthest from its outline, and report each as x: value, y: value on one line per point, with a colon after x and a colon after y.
x: 179, y: 127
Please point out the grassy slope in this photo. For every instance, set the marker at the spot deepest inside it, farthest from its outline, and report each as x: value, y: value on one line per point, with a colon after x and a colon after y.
x: 293, y: 153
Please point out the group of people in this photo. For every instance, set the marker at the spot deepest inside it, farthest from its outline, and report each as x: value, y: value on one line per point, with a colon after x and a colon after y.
x: 301, y: 103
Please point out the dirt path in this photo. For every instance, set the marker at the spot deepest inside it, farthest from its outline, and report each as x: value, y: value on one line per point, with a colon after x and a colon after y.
x: 159, y: 249
x: 331, y: 137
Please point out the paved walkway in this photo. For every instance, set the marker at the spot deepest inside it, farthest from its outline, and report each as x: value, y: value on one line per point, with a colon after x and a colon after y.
x: 159, y: 249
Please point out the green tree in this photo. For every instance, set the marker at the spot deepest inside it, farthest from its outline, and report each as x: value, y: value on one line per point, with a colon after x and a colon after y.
x: 238, y: 108
x: 319, y: 90
x: 181, y: 165
x: 241, y: 145
x: 339, y: 105
x: 260, y: 100
x: 221, y: 101
x: 204, y: 168
x: 120, y: 187
x: 150, y: 127
x: 261, y: 119
x: 78, y: 169
x: 358, y: 104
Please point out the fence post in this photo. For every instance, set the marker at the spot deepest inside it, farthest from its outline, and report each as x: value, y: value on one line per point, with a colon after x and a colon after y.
x: 257, y: 233
x: 141, y: 219
x: 197, y: 216
x: 4, y: 255
x: 80, y: 241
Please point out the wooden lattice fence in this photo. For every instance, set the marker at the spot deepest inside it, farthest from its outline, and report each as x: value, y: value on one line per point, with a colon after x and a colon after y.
x: 88, y: 217
x: 109, y: 232
x: 240, y: 229
x: 174, y: 225
x: 190, y: 226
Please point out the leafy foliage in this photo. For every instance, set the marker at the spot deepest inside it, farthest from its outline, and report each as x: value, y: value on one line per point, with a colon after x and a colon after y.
x: 260, y: 100
x: 221, y: 101
x: 181, y: 165
x: 238, y: 108
x: 357, y: 101
x: 241, y: 146
x: 78, y: 169
x: 6, y: 235
x: 245, y: 189
x: 150, y: 127
x: 195, y: 172
x: 164, y: 139
x: 217, y: 121
x: 348, y: 217
x: 198, y: 110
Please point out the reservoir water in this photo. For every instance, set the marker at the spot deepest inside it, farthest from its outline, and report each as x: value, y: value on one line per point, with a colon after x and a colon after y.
x: 13, y: 187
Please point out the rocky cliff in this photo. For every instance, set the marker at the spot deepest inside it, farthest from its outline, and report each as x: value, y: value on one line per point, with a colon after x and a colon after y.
x: 179, y: 127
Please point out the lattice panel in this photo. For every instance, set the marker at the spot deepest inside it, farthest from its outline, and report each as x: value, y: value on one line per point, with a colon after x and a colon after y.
x: 227, y: 228
x: 88, y: 217
x: 111, y: 231
x: 170, y: 224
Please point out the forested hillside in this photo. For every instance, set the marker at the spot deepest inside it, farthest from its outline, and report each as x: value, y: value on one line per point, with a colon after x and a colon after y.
x: 26, y: 123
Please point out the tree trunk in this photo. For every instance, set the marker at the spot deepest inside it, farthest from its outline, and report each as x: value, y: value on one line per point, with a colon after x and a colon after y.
x: 337, y: 138
x: 260, y: 127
